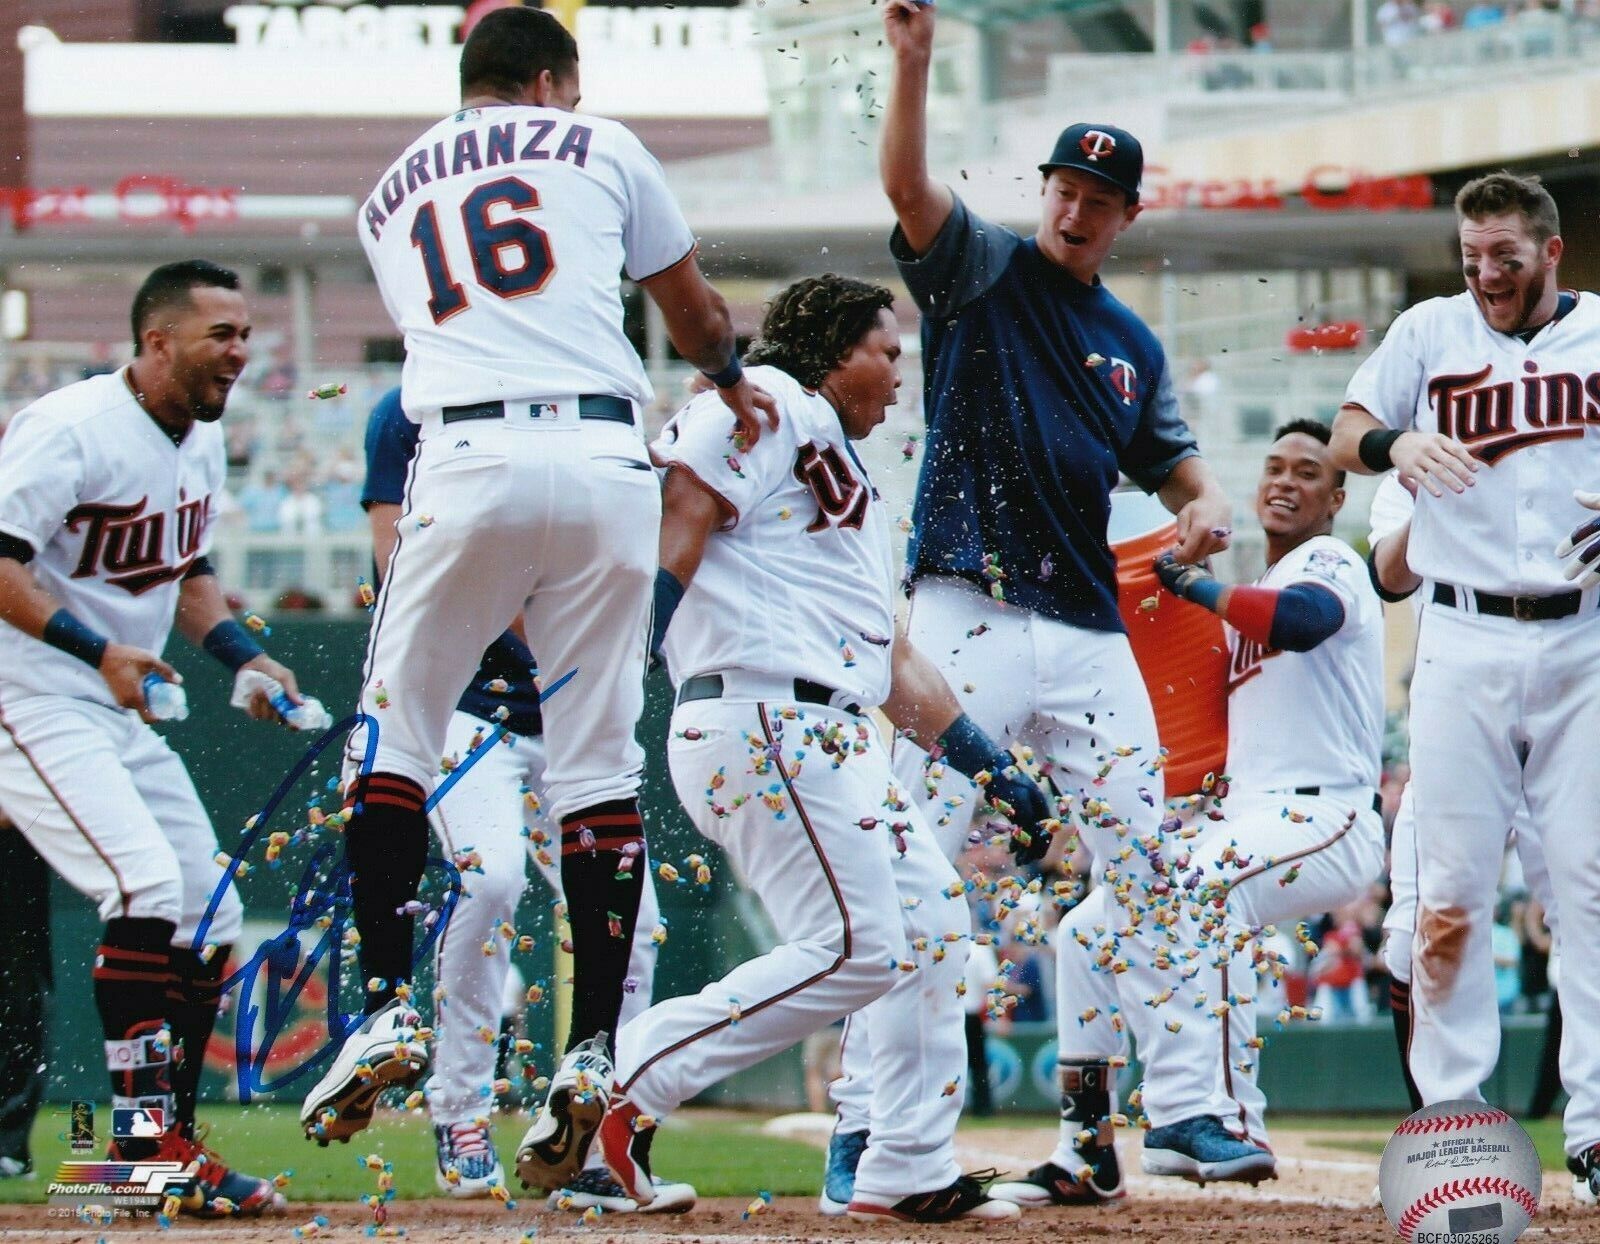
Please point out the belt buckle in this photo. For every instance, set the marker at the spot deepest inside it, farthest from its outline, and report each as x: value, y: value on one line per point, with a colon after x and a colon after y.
x: 1522, y: 608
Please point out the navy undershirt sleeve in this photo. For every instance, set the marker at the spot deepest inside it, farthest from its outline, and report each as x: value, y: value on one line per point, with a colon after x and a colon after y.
x: 391, y: 440
x: 964, y: 262
x: 1306, y: 615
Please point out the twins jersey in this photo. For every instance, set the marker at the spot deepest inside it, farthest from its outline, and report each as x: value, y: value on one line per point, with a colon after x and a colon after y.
x: 498, y: 239
x: 115, y: 513
x: 1524, y: 409
x: 1333, y: 693
x: 798, y: 582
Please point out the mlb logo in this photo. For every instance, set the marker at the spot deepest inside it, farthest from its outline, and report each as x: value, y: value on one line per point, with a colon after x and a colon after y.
x: 544, y: 410
x: 138, y: 1123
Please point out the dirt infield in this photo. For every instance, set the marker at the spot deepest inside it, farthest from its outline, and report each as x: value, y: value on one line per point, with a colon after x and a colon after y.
x: 1323, y: 1193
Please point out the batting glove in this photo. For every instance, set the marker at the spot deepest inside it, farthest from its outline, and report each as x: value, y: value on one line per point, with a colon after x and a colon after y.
x: 1009, y: 790
x: 1581, y: 549
x: 1192, y: 583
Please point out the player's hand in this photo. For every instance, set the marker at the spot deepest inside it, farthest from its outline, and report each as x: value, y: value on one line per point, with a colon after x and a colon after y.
x: 125, y: 668
x: 908, y: 28
x: 1429, y: 458
x: 1179, y: 577
x: 749, y: 402
x: 1017, y: 797
x: 1204, y: 527
x: 258, y: 705
x: 1581, y: 549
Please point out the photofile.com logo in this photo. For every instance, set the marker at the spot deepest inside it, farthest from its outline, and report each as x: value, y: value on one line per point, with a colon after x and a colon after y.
x: 118, y: 1178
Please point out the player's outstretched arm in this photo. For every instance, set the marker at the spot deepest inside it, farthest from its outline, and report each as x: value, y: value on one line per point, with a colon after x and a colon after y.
x: 205, y: 620
x: 922, y: 706
x: 1364, y: 444
x: 1204, y: 516
x: 1289, y: 619
x: 34, y: 611
x: 921, y: 204
x: 699, y: 325
x: 1391, y: 569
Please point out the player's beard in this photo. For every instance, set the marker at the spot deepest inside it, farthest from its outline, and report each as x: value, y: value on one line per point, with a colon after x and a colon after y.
x: 1527, y: 303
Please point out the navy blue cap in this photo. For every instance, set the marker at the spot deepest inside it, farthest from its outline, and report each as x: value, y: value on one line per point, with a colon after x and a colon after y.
x: 1104, y: 150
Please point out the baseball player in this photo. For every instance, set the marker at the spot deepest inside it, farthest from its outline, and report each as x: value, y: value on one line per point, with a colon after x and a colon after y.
x: 497, y: 239
x: 1040, y: 388
x: 775, y: 762
x: 1394, y: 581
x: 1303, y: 833
x: 108, y: 488
x: 495, y: 816
x: 1481, y: 401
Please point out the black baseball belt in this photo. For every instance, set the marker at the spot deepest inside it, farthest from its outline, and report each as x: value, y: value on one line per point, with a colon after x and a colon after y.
x: 1522, y: 608
x: 1377, y: 799
x: 590, y: 406
x: 710, y: 687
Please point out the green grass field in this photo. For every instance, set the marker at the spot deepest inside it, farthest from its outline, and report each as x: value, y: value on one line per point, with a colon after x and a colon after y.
x: 720, y: 1156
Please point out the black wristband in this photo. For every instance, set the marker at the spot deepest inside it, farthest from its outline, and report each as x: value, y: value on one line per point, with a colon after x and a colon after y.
x: 1376, y: 446
x: 728, y: 376
x: 71, y: 636
x: 231, y: 644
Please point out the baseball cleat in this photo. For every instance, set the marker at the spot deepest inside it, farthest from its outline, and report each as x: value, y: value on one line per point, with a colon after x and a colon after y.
x: 595, y: 1188
x: 1098, y: 1181
x: 1585, y: 1170
x: 1201, y: 1149
x: 384, y: 1052
x: 625, y: 1138
x: 839, y: 1176
x: 963, y: 1199
x: 465, y: 1162
x: 556, y: 1146
x: 214, y: 1190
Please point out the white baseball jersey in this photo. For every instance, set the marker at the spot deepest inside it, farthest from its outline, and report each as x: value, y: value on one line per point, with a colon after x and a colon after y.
x: 116, y: 514
x: 498, y: 239
x: 798, y: 583
x: 1392, y: 508
x: 1529, y: 411
x: 1334, y: 692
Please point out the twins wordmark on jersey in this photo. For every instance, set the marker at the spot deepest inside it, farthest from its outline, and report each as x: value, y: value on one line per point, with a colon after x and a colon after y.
x: 802, y: 581
x: 1529, y: 410
x: 116, y: 515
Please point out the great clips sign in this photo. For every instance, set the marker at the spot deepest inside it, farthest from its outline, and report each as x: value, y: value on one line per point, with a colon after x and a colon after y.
x: 1327, y: 188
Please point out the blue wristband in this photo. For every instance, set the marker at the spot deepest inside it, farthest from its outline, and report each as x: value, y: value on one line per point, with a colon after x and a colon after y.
x: 71, y: 636
x: 729, y: 375
x: 1205, y: 592
x: 231, y: 644
x: 669, y: 592
x: 969, y: 750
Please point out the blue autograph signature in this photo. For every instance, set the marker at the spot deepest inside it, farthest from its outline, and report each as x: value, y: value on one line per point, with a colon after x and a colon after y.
x: 321, y: 899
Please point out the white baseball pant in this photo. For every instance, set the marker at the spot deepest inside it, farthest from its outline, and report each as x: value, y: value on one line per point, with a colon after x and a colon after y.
x: 1295, y: 870
x: 1502, y: 708
x: 850, y: 911
x: 1074, y: 697
x: 486, y: 812
x: 559, y: 524
x: 111, y: 808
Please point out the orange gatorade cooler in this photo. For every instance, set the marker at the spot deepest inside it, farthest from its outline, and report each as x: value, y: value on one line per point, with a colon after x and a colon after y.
x: 1180, y: 647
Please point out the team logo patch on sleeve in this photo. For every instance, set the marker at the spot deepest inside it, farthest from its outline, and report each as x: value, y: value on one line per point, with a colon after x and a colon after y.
x: 1327, y: 563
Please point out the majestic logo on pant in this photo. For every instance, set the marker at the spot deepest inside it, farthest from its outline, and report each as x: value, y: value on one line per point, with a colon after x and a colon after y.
x: 841, y: 497
x: 1493, y: 420
x: 129, y: 546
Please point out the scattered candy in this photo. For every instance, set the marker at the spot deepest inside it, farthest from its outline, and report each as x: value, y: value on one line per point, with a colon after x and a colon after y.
x: 326, y: 392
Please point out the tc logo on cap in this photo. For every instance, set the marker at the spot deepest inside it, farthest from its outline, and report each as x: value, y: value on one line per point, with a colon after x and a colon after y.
x: 1097, y: 144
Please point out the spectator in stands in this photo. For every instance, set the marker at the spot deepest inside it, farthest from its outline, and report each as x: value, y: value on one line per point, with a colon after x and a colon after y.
x: 1507, y: 954
x: 1339, y: 971
x: 1399, y: 22
x: 100, y: 362
x: 1587, y: 14
x: 1437, y: 16
x: 258, y: 501
x: 239, y: 437
x: 1481, y: 15
x: 300, y: 511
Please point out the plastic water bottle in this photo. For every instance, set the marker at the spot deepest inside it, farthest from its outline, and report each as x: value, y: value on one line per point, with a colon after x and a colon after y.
x: 166, y: 701
x: 307, y: 715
